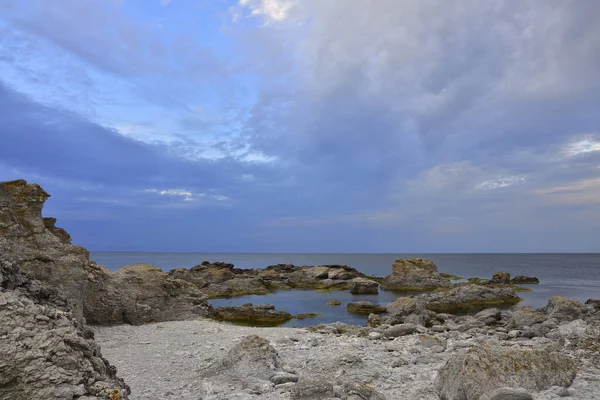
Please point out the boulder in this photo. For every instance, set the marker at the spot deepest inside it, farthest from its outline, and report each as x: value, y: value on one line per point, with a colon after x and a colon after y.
x: 312, y: 389
x: 334, y: 303
x: 365, y: 307
x: 563, y: 309
x: 414, y: 274
x: 45, y: 353
x: 528, y: 280
x: 259, y: 315
x: 594, y: 302
x: 252, y: 362
x: 466, y: 296
x: 525, y: 317
x: 399, y: 330
x: 500, y: 277
x: 364, y: 286
x: 484, y: 368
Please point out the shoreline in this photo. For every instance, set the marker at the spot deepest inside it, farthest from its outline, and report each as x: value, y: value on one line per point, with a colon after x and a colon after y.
x: 166, y: 360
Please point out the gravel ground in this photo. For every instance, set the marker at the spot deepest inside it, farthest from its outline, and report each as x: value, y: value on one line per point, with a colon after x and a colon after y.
x: 168, y: 361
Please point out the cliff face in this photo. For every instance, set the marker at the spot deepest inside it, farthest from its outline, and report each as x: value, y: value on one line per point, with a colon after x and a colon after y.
x: 44, y: 252
x: 39, y: 248
x: 45, y: 352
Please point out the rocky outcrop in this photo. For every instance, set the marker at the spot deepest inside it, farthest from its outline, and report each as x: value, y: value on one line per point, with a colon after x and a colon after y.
x: 563, y: 309
x: 37, y: 246
x: 365, y: 307
x: 414, y: 274
x: 594, y: 303
x: 524, y: 280
x: 466, y: 296
x: 140, y: 294
x: 259, y: 315
x: 134, y: 295
x: 481, y: 370
x: 364, y: 286
x: 223, y: 280
x: 44, y: 351
x: 501, y: 277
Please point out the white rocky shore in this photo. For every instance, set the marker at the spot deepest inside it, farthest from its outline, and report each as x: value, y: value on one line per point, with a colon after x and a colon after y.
x: 173, y: 360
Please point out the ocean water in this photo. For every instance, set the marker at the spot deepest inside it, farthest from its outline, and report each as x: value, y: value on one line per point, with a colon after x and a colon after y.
x: 575, y: 276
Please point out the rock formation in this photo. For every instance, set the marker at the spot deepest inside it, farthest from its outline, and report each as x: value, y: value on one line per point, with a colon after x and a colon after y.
x: 44, y: 351
x: 134, y: 295
x: 414, y: 274
x: 37, y: 246
x: 481, y: 370
x: 223, y: 280
x: 520, y: 279
x: 364, y: 286
x: 259, y: 315
x: 364, y: 307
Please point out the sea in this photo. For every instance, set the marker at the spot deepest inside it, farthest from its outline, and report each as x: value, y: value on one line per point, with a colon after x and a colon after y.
x: 570, y: 275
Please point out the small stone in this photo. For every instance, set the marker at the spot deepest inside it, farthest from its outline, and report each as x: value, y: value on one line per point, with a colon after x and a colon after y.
x: 374, y: 335
x: 514, y: 334
x: 438, y: 328
x: 283, y: 377
x: 399, y: 362
x: 399, y: 330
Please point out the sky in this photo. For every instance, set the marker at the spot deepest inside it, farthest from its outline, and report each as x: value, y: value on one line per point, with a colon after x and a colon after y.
x: 401, y: 126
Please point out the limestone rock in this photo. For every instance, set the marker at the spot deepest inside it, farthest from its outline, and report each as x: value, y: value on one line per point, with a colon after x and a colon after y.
x: 520, y: 279
x: 399, y: 330
x: 525, y: 317
x: 37, y: 246
x: 364, y: 286
x: 365, y: 307
x: 500, y: 277
x: 259, y: 315
x: 563, y: 309
x: 44, y: 352
x: 312, y: 389
x: 250, y: 363
x: 136, y: 294
x: 465, y: 296
x: 510, y: 394
x: 594, y: 302
x: 484, y: 368
x: 414, y: 274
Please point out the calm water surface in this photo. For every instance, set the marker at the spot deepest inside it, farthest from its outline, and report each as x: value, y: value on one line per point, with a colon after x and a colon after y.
x: 571, y: 275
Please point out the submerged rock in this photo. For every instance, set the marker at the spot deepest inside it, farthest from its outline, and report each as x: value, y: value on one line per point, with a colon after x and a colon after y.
x: 484, y: 368
x: 414, y: 274
x: 259, y: 315
x: 520, y: 279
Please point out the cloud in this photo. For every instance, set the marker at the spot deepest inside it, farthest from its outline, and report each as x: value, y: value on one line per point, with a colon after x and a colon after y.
x: 188, y: 196
x: 462, y: 126
x: 500, y: 182
x: 270, y: 10
x: 589, y: 144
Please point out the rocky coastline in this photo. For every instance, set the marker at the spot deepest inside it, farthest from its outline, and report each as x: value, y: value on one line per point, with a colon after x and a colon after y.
x: 440, y: 340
